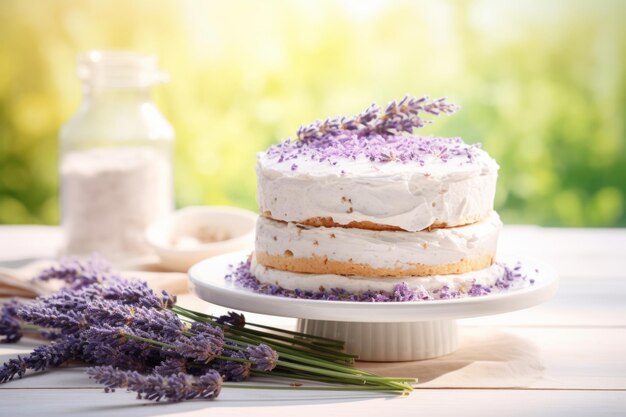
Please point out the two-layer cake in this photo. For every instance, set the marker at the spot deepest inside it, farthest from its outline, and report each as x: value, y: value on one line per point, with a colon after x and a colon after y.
x: 362, y: 209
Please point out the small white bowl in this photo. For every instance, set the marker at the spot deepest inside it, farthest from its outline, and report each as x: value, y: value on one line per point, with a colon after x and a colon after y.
x: 192, y: 234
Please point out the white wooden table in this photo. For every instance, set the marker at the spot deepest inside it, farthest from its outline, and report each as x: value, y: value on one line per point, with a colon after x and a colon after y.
x: 566, y: 357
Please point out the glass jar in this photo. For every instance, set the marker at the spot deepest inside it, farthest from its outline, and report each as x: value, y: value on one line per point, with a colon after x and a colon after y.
x: 115, y: 158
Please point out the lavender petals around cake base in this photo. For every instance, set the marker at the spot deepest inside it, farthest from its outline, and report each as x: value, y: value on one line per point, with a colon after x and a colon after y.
x: 514, y: 277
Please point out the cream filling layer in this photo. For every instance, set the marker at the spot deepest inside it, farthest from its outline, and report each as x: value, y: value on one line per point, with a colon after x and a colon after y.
x: 380, y: 249
x: 406, y: 195
x: 315, y: 282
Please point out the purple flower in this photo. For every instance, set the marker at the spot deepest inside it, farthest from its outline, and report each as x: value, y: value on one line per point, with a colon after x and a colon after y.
x: 240, y: 273
x: 162, y: 325
x: 113, y: 313
x: 173, y: 388
x: 402, y: 116
x: 14, y: 367
x: 478, y: 290
x: 207, y: 330
x: 97, y: 311
x: 112, y: 377
x: 171, y: 366
x: 168, y: 300
x: 103, y: 324
x: 95, y: 279
x: 511, y: 277
x: 67, y: 299
x: 210, y: 384
x: 107, y: 345
x: 376, y: 147
x: 402, y: 292
x: 233, y: 319
x: 199, y: 347
x: 78, y: 273
x: 264, y: 357
x: 41, y: 314
x: 10, y: 326
x: 445, y: 293
x: 136, y: 293
x: 41, y: 358
x: 234, y: 370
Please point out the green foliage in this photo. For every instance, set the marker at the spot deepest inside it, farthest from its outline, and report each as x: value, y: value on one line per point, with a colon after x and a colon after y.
x: 542, y: 85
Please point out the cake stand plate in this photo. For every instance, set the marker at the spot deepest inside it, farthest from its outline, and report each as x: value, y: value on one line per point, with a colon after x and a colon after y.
x: 386, y: 331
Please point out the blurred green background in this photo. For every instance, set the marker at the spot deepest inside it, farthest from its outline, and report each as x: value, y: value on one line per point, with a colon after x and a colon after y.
x: 542, y: 85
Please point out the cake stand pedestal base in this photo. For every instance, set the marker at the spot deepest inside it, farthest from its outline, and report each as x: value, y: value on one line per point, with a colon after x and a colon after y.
x: 389, y: 342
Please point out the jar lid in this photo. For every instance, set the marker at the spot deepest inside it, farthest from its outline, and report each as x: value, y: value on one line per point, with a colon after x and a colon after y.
x: 119, y: 69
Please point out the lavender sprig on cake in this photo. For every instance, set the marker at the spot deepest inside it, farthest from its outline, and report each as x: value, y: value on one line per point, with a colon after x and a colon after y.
x: 399, y: 116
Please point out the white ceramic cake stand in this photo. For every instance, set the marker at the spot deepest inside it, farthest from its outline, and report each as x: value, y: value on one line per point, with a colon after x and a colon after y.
x: 382, y: 332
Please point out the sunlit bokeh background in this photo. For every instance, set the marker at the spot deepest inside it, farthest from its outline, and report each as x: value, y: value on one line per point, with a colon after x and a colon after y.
x: 542, y: 85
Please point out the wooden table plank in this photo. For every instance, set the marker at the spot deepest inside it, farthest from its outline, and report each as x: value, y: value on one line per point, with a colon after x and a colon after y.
x: 467, y: 403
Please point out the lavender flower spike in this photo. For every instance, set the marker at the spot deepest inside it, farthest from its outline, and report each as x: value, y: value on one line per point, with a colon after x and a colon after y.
x: 232, y: 318
x: 136, y: 293
x: 112, y: 377
x: 211, y: 384
x: 78, y: 273
x: 171, y: 366
x: 12, y: 368
x: 199, y: 347
x: 10, y: 326
x: 263, y: 357
x: 233, y: 370
x: 40, y: 314
x: 174, y: 388
x: 160, y: 324
x: 402, y: 116
x: 41, y: 358
x: 207, y: 330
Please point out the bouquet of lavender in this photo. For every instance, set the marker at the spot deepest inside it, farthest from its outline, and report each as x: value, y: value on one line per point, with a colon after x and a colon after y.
x: 132, y: 338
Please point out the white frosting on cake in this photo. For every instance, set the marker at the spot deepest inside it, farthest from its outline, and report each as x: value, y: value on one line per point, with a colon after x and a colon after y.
x: 312, y: 282
x: 380, y: 249
x: 403, y: 194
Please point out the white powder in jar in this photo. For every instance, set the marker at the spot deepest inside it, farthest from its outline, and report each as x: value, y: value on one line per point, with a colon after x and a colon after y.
x: 110, y: 196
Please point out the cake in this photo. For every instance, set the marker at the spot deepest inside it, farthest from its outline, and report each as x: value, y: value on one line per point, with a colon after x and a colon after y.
x: 363, y: 209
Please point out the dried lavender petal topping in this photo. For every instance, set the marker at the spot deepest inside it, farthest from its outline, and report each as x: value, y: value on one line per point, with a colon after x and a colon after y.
x: 513, y: 277
x: 375, y: 148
